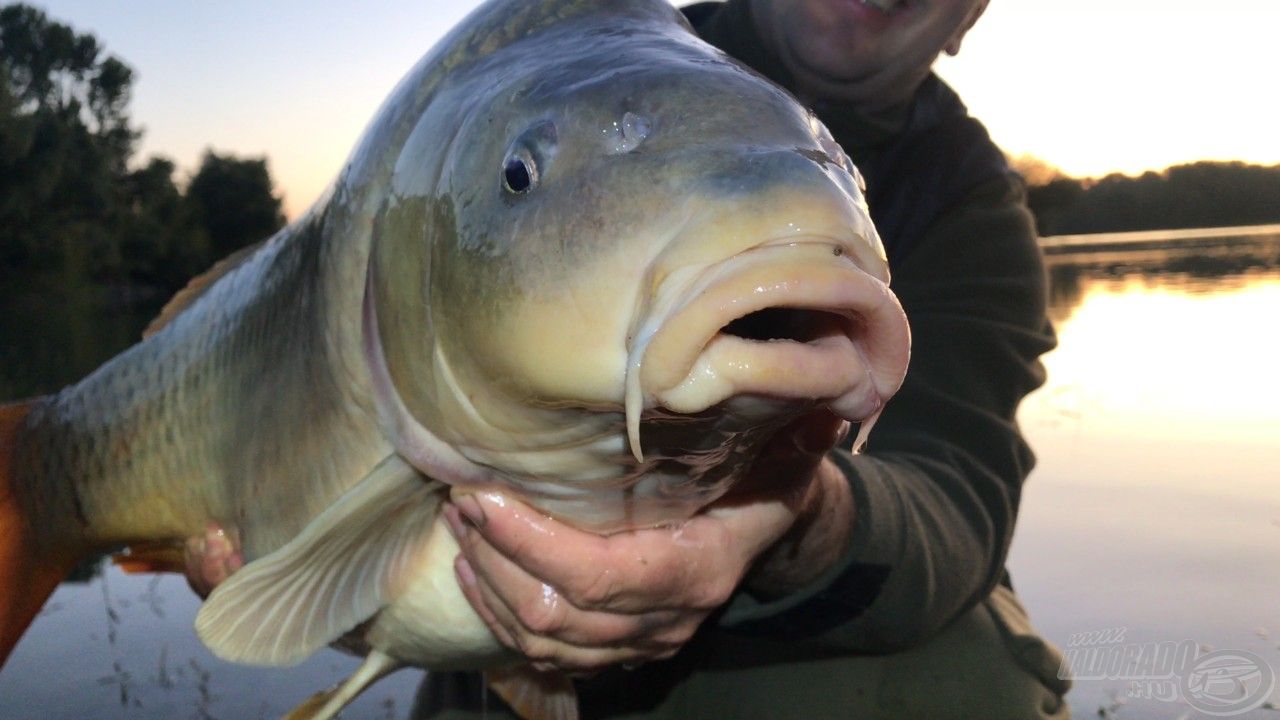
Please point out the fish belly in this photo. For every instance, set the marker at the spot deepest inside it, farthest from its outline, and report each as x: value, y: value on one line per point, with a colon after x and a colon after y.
x: 431, y: 624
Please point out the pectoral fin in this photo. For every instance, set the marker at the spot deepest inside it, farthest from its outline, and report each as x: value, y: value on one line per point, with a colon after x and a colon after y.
x: 344, y: 567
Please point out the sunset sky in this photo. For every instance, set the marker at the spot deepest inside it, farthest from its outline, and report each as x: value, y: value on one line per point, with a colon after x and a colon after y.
x: 1091, y: 86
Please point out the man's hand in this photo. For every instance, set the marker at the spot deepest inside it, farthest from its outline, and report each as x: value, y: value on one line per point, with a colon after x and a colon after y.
x: 580, y: 602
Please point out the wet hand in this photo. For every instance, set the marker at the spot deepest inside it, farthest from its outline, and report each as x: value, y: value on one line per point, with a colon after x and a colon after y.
x: 579, y: 602
x: 211, y: 558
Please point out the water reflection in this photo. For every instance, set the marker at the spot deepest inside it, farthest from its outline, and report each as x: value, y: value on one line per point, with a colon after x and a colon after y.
x: 1154, y: 506
x: 1202, y: 268
x: 121, y: 646
x: 52, y: 336
x: 109, y: 645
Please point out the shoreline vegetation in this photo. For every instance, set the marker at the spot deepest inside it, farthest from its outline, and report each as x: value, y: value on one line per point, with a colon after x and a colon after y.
x: 81, y: 216
x: 1199, y: 195
x: 80, y: 213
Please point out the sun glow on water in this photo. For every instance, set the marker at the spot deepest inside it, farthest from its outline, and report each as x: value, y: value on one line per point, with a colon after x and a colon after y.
x: 1154, y: 505
x: 1162, y: 362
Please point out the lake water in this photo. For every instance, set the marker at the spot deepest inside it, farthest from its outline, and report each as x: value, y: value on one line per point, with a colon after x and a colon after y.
x: 1152, y: 517
x: 1155, y: 507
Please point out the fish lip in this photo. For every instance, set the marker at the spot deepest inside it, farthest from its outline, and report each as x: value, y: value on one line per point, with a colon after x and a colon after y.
x: 681, y: 359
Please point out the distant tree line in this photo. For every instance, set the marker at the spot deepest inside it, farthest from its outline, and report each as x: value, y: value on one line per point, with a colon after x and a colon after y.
x: 75, y: 207
x: 1196, y: 195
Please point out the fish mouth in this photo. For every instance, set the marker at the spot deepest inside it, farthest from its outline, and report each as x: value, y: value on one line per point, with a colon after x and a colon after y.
x: 795, y: 322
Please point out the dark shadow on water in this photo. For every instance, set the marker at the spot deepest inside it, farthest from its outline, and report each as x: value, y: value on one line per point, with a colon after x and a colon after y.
x: 51, y: 336
x: 1207, y: 267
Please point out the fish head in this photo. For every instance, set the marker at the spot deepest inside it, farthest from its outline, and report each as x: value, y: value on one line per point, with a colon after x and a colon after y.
x: 618, y: 264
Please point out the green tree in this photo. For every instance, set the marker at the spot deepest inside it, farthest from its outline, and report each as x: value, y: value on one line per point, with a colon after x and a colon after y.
x: 65, y: 141
x: 1052, y: 202
x: 73, y: 206
x: 234, y: 202
x: 1200, y: 194
x: 160, y: 239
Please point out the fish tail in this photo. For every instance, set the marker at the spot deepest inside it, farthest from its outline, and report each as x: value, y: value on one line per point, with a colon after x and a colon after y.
x: 28, y: 575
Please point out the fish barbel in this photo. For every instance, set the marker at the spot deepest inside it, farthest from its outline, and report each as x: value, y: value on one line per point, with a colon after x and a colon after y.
x: 578, y: 254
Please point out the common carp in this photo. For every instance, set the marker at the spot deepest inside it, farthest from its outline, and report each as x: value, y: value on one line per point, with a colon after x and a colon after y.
x: 578, y: 254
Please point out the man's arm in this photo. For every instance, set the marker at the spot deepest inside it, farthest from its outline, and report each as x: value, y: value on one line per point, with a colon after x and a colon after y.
x: 930, y: 508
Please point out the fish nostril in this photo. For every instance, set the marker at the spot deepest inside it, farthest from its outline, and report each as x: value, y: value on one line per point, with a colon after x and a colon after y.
x: 629, y: 133
x: 800, y: 325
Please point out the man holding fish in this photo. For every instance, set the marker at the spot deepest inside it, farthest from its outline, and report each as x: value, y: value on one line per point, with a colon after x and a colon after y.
x: 583, y: 266
x: 784, y: 603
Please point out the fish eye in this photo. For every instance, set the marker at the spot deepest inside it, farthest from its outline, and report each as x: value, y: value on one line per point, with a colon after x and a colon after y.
x: 528, y: 157
x: 519, y: 172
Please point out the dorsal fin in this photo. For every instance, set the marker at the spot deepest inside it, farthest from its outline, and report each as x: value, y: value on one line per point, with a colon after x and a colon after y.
x: 196, y: 287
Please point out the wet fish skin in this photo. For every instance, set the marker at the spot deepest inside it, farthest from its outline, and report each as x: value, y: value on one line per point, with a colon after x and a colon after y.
x: 501, y: 277
x: 425, y: 320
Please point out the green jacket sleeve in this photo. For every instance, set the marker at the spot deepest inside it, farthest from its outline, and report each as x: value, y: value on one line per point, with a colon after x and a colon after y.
x: 937, y: 491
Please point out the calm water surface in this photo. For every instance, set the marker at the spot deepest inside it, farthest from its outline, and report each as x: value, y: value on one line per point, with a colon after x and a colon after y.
x: 1154, y: 512
x: 1155, y: 507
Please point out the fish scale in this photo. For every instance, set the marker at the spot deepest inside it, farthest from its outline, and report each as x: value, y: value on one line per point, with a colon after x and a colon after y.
x: 306, y: 406
x: 136, y: 437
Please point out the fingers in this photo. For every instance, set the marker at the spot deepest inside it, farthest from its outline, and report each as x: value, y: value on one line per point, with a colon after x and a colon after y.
x: 533, y: 618
x: 538, y: 607
x: 692, y: 566
x: 580, y: 601
x: 211, y: 558
x: 550, y: 652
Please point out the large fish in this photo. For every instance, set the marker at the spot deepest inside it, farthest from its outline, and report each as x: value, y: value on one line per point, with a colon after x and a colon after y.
x: 578, y: 254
